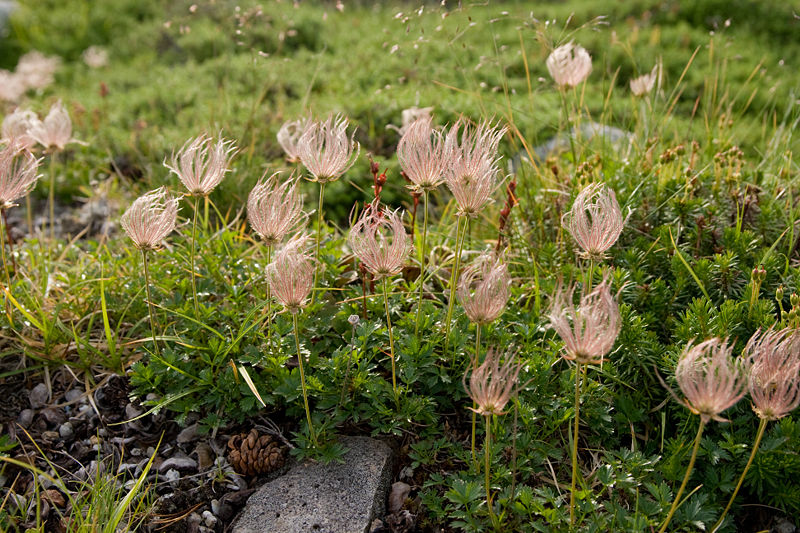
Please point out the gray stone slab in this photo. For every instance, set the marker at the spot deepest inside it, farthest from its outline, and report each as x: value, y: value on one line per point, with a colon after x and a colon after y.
x: 324, y: 498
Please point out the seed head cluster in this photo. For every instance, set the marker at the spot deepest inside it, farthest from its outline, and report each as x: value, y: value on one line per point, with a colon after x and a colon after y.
x: 201, y: 163
x: 150, y: 219
x: 18, y: 173
x: 289, y: 137
x: 774, y: 381
x: 275, y: 208
x: 595, y: 220
x: 589, y: 329
x: 55, y: 131
x: 491, y: 385
x: 710, y: 379
x: 569, y: 65
x: 380, y: 241
x: 291, y: 274
x: 422, y: 155
x: 326, y: 150
x: 483, y: 289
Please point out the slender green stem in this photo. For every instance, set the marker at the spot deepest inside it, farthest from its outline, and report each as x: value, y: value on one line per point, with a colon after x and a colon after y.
x: 422, y: 260
x: 575, y: 445
x: 51, y: 198
x: 762, y: 425
x: 29, y: 214
x: 567, y: 122
x: 319, y: 234
x: 269, y: 302
x: 486, y: 461
x: 475, y: 363
x: 391, y: 335
x: 677, y: 499
x: 5, y: 265
x: 303, y: 381
x: 191, y: 255
x: 150, y: 301
x: 460, y: 232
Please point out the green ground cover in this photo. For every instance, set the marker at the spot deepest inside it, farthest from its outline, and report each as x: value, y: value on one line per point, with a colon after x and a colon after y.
x: 707, y: 183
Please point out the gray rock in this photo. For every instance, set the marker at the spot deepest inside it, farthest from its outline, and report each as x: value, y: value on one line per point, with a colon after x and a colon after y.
x: 66, y: 431
x: 178, y: 462
x: 38, y: 396
x: 188, y: 434
x: 25, y: 418
x: 73, y: 395
x: 333, y: 498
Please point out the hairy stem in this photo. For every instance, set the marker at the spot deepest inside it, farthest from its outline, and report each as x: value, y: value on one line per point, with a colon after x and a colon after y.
x: 475, y: 363
x: 51, y: 198
x: 422, y: 260
x: 575, y: 445
x: 460, y: 232
x: 762, y: 425
x: 150, y: 301
x: 689, y: 469
x: 5, y: 266
x: 303, y: 381
x: 486, y: 461
x: 391, y: 335
x: 319, y: 233
x: 269, y: 302
x: 191, y: 255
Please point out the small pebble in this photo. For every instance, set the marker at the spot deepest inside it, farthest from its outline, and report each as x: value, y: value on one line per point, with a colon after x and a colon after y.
x: 66, y: 431
x: 209, y: 519
x: 172, y: 476
x: 53, y: 416
x: 38, y: 396
x: 187, y: 435
x: 179, y: 462
x: 25, y: 417
x: 73, y: 395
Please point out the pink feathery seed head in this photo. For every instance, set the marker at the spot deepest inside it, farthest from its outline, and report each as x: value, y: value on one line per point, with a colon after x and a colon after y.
x: 483, y: 289
x: 55, y: 131
x: 17, y: 126
x: 275, y: 208
x: 595, y: 220
x: 18, y: 173
x: 569, y: 65
x: 326, y: 150
x: 473, y: 163
x: 36, y: 70
x: 774, y: 382
x: 150, y: 219
x: 201, y: 163
x: 492, y: 385
x: 710, y: 379
x: 380, y: 241
x: 644, y: 84
x: 422, y: 154
x: 590, y: 329
x: 289, y: 137
x: 12, y: 86
x: 291, y: 274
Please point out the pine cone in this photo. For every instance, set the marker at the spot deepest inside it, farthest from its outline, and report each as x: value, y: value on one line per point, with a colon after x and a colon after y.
x: 252, y: 454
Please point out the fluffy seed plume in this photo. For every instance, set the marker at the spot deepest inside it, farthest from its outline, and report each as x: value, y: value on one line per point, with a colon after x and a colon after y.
x: 590, y: 329
x: 595, y: 220
x: 483, y: 289
x: 17, y: 126
x: 569, y: 65
x: 36, y: 70
x: 55, y: 131
x: 326, y: 150
x: 774, y: 382
x: 710, y: 379
x: 644, y: 84
x: 422, y: 155
x: 473, y: 167
x: 289, y: 137
x: 291, y: 274
x: 380, y: 241
x: 492, y: 385
x: 150, y: 218
x: 201, y: 163
x: 275, y: 208
x: 18, y: 173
